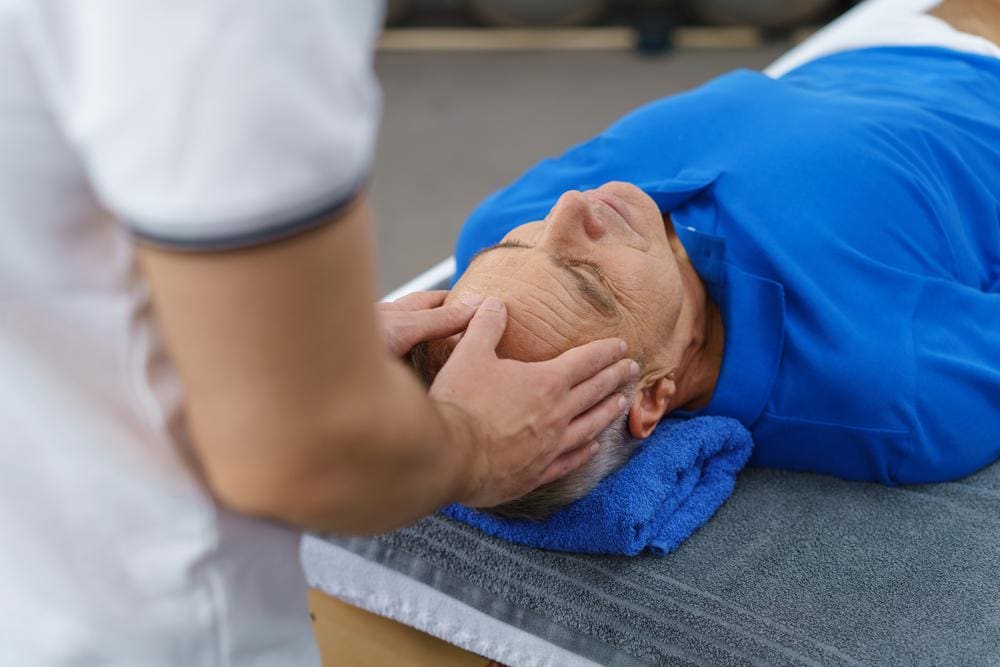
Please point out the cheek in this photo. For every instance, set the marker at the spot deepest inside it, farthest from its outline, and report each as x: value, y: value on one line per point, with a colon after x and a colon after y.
x: 650, y: 296
x: 669, y: 291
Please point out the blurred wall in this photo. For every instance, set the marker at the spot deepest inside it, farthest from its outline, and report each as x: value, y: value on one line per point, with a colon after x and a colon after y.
x: 459, y: 125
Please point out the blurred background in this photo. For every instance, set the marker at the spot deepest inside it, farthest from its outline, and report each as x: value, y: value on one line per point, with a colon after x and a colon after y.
x: 476, y: 91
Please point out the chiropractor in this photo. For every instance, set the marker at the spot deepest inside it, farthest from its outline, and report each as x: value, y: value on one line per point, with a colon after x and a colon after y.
x: 187, y: 337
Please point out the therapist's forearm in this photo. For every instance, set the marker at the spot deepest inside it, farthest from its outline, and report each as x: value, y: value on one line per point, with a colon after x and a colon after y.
x: 376, y: 460
x: 295, y: 408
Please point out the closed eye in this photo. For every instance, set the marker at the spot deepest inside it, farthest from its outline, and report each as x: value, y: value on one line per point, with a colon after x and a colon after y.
x: 595, y: 289
x: 590, y: 266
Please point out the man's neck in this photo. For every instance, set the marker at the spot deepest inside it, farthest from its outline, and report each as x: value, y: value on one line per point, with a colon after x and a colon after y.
x: 698, y: 375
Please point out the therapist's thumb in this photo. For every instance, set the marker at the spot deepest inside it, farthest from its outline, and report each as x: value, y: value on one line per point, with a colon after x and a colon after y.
x: 485, y: 330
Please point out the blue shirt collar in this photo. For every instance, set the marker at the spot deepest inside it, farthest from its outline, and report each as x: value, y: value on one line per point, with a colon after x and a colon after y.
x: 753, y: 317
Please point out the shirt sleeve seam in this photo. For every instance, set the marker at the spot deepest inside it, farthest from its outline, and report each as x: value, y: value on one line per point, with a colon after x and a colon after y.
x: 292, y: 223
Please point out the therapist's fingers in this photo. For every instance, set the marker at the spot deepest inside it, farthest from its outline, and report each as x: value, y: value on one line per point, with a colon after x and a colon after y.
x: 402, y: 329
x: 584, y: 362
x: 483, y: 333
x: 590, y: 392
x: 417, y: 301
x: 438, y: 323
x: 588, y: 426
x: 568, y: 462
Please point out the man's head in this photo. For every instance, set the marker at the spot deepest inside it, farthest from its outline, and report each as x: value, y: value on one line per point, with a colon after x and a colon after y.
x: 603, y: 263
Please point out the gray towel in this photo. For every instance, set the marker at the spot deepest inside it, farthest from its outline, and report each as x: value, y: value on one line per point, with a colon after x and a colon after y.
x: 795, y: 569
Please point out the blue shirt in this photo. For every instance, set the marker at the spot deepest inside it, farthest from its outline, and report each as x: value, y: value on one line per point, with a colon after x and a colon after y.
x: 846, y: 220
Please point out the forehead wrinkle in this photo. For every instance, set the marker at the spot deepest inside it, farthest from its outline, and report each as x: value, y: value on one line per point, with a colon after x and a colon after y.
x: 518, y: 317
x: 531, y: 297
x: 541, y: 309
x: 526, y: 298
x: 565, y: 327
x: 563, y: 296
x: 566, y: 322
x: 598, y: 299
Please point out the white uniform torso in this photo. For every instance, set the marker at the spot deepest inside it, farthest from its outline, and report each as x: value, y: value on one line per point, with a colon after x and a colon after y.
x: 202, y: 124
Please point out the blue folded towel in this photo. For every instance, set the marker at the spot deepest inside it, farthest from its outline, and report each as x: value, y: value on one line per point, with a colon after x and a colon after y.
x: 676, y: 480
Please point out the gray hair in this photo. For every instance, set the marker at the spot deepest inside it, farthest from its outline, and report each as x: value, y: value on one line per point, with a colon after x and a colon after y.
x: 615, y: 447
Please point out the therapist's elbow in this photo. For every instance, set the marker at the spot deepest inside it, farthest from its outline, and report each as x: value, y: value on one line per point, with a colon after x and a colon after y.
x: 296, y: 504
x: 305, y: 477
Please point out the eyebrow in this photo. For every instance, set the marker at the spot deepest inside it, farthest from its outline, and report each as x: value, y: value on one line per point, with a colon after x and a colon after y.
x: 597, y: 297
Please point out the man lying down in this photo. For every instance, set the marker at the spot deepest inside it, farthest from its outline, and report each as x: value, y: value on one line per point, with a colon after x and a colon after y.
x: 817, y: 256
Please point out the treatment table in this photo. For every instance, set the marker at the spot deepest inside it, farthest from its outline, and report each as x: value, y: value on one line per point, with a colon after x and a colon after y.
x: 795, y: 569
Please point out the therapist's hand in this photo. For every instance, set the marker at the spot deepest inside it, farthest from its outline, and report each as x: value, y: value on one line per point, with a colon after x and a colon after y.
x: 528, y: 423
x: 421, y: 317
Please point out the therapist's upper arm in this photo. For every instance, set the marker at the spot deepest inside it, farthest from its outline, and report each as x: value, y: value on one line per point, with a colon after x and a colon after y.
x: 275, y: 346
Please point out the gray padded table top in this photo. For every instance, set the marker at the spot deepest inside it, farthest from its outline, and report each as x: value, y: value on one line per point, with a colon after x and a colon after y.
x: 794, y: 569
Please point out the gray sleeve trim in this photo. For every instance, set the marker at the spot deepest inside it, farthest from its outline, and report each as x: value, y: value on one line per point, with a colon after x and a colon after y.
x: 302, y: 221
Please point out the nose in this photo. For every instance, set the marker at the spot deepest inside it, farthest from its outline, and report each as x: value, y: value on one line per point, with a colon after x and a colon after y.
x: 573, y: 222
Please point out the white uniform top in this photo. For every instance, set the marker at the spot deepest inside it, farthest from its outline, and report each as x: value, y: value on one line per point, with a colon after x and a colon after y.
x: 201, y: 124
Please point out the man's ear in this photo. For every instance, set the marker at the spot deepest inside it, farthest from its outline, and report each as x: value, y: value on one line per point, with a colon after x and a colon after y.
x: 649, y: 405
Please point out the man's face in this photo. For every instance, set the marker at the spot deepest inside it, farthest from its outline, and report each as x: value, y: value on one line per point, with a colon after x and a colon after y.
x: 599, y: 265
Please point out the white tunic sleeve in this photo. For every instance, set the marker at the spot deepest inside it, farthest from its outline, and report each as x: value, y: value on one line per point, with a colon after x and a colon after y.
x: 215, y: 124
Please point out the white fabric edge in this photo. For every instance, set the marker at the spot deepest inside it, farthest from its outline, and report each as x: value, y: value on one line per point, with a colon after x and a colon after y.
x: 882, y: 23
x: 306, y: 214
x: 383, y: 591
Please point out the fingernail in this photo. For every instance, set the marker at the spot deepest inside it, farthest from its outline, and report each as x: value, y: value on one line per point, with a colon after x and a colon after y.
x: 594, y: 447
x: 622, y: 403
x: 633, y: 370
x: 471, y: 300
x: 624, y: 346
x: 493, y: 303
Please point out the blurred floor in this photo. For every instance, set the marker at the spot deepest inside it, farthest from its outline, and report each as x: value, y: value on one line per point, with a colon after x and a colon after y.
x: 459, y: 125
